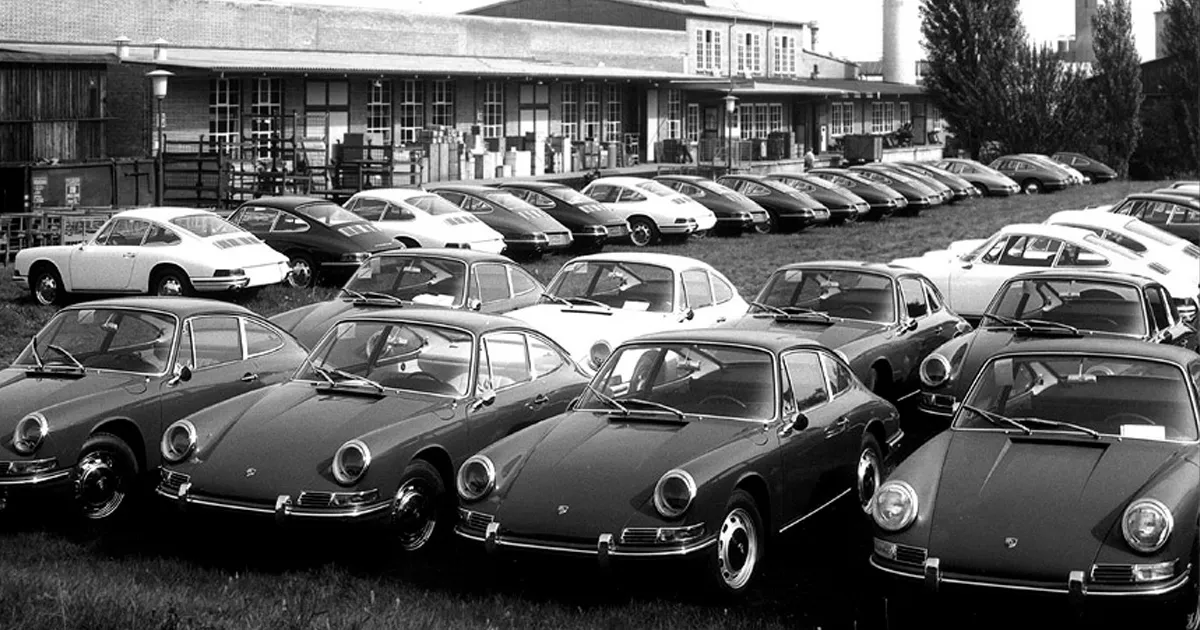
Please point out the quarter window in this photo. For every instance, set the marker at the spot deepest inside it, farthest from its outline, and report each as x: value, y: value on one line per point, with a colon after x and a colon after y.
x: 127, y: 232
x: 289, y: 223
x: 491, y: 282
x: 807, y: 378
x: 370, y: 209
x: 603, y: 193
x: 522, y: 282
x: 696, y: 289
x: 1158, y: 308
x: 261, y: 339
x: 722, y: 292
x: 217, y: 341
x: 544, y: 357
x: 504, y: 361
x: 914, y: 297
x: 161, y: 235
x: 836, y: 374
x: 254, y: 219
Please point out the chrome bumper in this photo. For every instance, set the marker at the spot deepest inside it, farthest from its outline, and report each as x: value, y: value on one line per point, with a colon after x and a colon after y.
x: 604, y: 549
x: 284, y: 509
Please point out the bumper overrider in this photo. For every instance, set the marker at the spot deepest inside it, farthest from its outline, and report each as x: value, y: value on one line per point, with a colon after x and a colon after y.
x: 941, y: 405
x: 631, y: 542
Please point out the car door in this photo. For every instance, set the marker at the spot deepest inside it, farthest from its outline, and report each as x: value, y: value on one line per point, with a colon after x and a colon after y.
x: 974, y: 283
x: 1184, y: 222
x: 812, y: 452
x: 922, y: 334
x: 698, y: 299
x: 107, y: 262
x: 1168, y: 326
x: 292, y: 232
x: 213, y: 348
x: 258, y: 221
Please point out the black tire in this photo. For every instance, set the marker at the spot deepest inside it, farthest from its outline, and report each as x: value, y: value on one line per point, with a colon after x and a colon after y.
x: 770, y: 226
x: 422, y: 512
x: 1031, y: 186
x: 735, y: 561
x: 1189, y: 604
x: 303, y: 273
x: 877, y: 381
x: 105, y: 480
x: 642, y: 232
x: 868, y: 473
x: 46, y: 285
x: 170, y: 282
x: 983, y: 191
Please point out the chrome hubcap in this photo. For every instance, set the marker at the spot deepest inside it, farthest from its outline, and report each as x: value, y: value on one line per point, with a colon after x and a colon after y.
x: 1031, y: 188
x: 301, y: 275
x: 868, y: 478
x: 47, y: 289
x: 737, y: 549
x: 99, y: 485
x: 170, y: 286
x: 640, y: 234
x: 414, y: 515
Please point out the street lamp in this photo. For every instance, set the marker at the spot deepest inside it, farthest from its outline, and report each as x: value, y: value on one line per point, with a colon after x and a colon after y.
x: 730, y: 106
x: 158, y: 83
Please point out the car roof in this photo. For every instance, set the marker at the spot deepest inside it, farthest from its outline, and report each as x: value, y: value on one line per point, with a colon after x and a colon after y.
x: 286, y: 203
x: 1048, y: 229
x: 1104, y: 346
x: 476, y: 189
x: 622, y: 180
x: 1090, y: 217
x: 390, y: 194
x: 162, y: 213
x: 683, y: 178
x: 465, y: 255
x: 478, y: 323
x: 181, y: 306
x: 1101, y: 275
x: 532, y: 184
x: 774, y: 341
x: 663, y: 260
x: 1182, y: 198
x: 754, y: 177
x: 888, y: 269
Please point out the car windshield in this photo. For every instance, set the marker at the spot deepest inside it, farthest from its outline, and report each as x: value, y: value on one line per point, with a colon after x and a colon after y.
x: 656, y: 188
x: 433, y: 204
x: 412, y: 278
x: 685, y: 378
x: 569, y: 195
x: 328, y: 213
x: 398, y: 355
x: 836, y: 292
x: 122, y: 340
x: 618, y: 284
x: 1084, y: 304
x: 206, y: 224
x: 1091, y: 394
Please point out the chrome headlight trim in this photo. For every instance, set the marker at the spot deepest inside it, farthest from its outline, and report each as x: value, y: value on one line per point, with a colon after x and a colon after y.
x: 167, y: 444
x: 1158, y: 509
x: 929, y: 370
x: 905, y: 496
x: 338, y: 466
x: 598, y: 353
x: 27, y: 439
x: 489, y: 470
x: 660, y: 502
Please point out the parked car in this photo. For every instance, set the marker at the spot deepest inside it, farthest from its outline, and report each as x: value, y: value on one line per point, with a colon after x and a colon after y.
x: 90, y: 395
x: 1052, y: 303
x: 735, y: 212
x: 961, y: 188
x: 919, y: 196
x: 595, y: 302
x: 320, y: 238
x: 370, y: 429
x: 884, y: 201
x: 789, y: 208
x: 527, y: 230
x: 1067, y: 475
x: 160, y: 251
x: 1184, y: 187
x: 1031, y: 175
x: 1094, y: 169
x: 1177, y: 214
x: 418, y: 218
x: 969, y: 272
x: 987, y: 180
x: 701, y: 444
x: 883, y: 320
x: 449, y: 278
x: 591, y: 224
x: 945, y: 193
x: 653, y: 210
x: 1074, y: 177
x: 844, y: 206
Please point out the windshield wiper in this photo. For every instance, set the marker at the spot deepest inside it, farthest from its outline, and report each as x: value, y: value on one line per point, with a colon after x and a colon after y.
x: 770, y: 309
x: 1052, y: 324
x: 323, y: 373
x: 1007, y: 321
x: 800, y: 311
x: 1068, y: 425
x: 354, y: 377
x: 352, y: 293
x: 63, y: 351
x: 583, y: 300
x: 654, y: 405
x: 608, y: 399
x: 385, y: 296
x: 996, y: 418
x: 555, y: 298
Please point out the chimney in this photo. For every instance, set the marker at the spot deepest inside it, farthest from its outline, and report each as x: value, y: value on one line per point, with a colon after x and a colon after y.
x: 160, y: 49
x: 122, y: 44
x: 813, y: 28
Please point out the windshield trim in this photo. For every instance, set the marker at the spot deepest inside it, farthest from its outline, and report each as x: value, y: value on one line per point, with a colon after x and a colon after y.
x: 170, y: 363
x: 417, y: 254
x: 892, y: 280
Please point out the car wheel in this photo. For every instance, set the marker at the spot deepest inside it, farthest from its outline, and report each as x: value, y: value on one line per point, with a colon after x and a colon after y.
x: 304, y: 273
x: 419, y: 505
x: 877, y: 381
x: 983, y: 191
x: 869, y: 472
x: 170, y: 282
x: 768, y: 226
x: 642, y: 232
x: 1031, y: 187
x: 740, y: 548
x: 46, y: 287
x: 104, y: 478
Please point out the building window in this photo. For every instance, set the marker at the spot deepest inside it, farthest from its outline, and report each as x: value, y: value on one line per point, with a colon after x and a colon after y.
x: 326, y: 111
x: 674, y: 114
x: 883, y: 117
x: 841, y: 118
x: 745, y: 119
x: 441, y: 103
x: 379, y: 111
x: 266, y: 111
x: 905, y: 116
x: 775, y: 117
x: 533, y: 109
x: 785, y: 55
x: 412, y: 110
x: 591, y: 111
x: 493, y: 109
x: 708, y: 50
x: 692, y: 126
x: 613, y: 106
x: 749, y: 53
x: 224, y: 112
x: 570, y: 110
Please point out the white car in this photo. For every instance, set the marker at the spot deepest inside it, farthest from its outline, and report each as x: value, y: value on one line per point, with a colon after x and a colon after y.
x: 160, y: 251
x: 596, y: 302
x: 1141, y: 238
x: 968, y: 273
x: 652, y: 209
x: 420, y: 218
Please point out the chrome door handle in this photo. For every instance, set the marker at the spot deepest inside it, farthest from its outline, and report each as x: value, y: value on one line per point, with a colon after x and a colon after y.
x: 129, y: 255
x: 249, y: 377
x: 538, y: 401
x: 837, y: 427
x: 721, y: 320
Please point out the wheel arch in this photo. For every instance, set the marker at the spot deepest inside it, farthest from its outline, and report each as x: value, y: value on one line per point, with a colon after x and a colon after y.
x: 41, y: 263
x: 874, y: 428
x: 440, y: 459
x: 758, y: 489
x: 128, y: 431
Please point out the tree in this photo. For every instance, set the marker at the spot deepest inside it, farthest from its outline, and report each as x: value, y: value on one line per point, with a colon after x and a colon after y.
x: 1045, y: 106
x: 1117, y: 86
x: 970, y: 45
x: 1183, y: 86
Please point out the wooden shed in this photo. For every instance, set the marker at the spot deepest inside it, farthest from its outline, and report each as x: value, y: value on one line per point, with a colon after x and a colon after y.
x: 51, y: 107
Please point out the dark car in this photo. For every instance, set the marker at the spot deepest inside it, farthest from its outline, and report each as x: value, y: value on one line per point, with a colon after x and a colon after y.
x: 944, y: 192
x: 882, y: 319
x: 789, y: 208
x: 844, y: 206
x: 919, y: 196
x: 372, y: 426
x: 1030, y: 174
x: 987, y: 180
x: 1040, y: 304
x: 1068, y: 476
x: 961, y: 188
x: 320, y: 238
x: 1177, y: 214
x: 884, y: 201
x: 449, y: 278
x: 1091, y: 167
x: 527, y: 230
x: 702, y: 444
x: 735, y: 212
x: 89, y: 397
x: 591, y: 224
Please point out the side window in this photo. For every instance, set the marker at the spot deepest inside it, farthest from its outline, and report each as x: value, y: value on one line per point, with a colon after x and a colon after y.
x: 997, y: 250
x: 914, y: 297
x: 1181, y: 214
x: 722, y: 292
x: 1155, y: 212
x: 1158, y: 308
x: 519, y: 193
x: 522, y: 282
x: 187, y: 354
x: 453, y: 197
x: 260, y: 339
x: 697, y: 289
x: 935, y: 298
x: 808, y: 379
x: 102, y: 235
x: 692, y: 191
x: 603, y: 193
x: 370, y: 209
x: 673, y: 185
x: 127, y: 232
x: 218, y: 340
x: 255, y: 219
x: 752, y: 189
x: 1073, y: 256
x: 492, y: 281
x: 475, y: 205
x: 543, y: 357
x: 507, y: 361
x: 289, y: 223
x: 836, y: 374
x: 160, y: 236
x: 538, y: 199
x: 626, y: 195
x: 397, y: 213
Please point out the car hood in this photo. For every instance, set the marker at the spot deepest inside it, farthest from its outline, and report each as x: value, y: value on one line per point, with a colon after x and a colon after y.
x: 603, y: 467
x: 836, y: 335
x: 577, y: 327
x: 1057, y: 496
x: 24, y: 393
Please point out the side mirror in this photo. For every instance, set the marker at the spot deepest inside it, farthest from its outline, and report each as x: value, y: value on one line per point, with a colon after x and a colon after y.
x: 182, y: 373
x: 908, y: 326
x: 687, y: 315
x: 967, y: 264
x: 485, y: 399
x: 474, y: 304
x: 798, y: 422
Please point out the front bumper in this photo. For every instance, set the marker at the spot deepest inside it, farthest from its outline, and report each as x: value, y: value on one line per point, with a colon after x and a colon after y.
x: 54, y: 484
x: 312, y: 507
x: 683, y: 226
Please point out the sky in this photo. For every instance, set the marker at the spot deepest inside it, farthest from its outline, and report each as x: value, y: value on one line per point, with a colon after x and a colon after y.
x: 852, y: 29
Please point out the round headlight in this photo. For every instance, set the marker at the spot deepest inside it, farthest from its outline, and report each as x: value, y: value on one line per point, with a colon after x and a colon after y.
x: 29, y: 433
x: 674, y: 493
x: 476, y: 478
x: 350, y: 462
x: 1146, y: 525
x: 894, y: 506
x: 178, y: 441
x: 598, y: 353
x: 935, y: 370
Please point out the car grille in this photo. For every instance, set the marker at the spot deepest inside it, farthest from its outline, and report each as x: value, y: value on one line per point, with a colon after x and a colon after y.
x: 474, y: 521
x: 314, y: 499
x: 171, y: 480
x: 1112, y: 573
x: 907, y: 554
x: 639, y: 536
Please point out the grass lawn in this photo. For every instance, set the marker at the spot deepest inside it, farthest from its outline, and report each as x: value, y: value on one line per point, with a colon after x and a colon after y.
x: 167, y: 572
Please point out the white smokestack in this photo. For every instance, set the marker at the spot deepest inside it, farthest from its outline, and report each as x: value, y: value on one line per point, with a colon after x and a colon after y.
x: 901, y: 30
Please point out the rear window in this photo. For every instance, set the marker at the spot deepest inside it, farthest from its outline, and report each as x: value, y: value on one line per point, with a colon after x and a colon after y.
x: 433, y: 204
x: 328, y: 213
x: 206, y: 224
